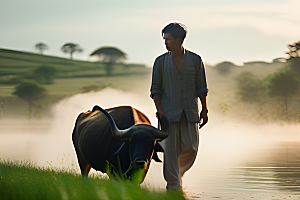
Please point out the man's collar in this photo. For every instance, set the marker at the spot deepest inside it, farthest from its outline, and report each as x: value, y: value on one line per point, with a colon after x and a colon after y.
x: 184, y: 51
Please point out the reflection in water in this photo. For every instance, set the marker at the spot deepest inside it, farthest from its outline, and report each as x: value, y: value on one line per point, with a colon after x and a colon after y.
x: 280, y: 154
x: 273, y: 173
x: 274, y: 178
x: 250, y: 183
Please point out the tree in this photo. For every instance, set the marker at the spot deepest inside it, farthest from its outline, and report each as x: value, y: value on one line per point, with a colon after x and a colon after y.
x: 109, y: 55
x: 249, y: 88
x: 31, y: 92
x: 294, y: 56
x: 71, y: 48
x: 294, y: 50
x: 41, y: 47
x: 283, y: 83
x: 45, y: 74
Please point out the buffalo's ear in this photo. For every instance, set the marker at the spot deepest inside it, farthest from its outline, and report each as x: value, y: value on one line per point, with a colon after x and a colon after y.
x: 155, y: 157
x: 158, y: 148
x: 96, y: 107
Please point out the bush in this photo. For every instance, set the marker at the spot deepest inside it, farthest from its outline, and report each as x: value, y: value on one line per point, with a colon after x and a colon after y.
x: 249, y: 88
x: 31, y: 92
x: 45, y: 74
x: 282, y: 83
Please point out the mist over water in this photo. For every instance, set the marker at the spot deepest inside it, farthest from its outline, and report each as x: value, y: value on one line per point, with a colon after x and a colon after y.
x: 223, y: 144
x: 54, y: 142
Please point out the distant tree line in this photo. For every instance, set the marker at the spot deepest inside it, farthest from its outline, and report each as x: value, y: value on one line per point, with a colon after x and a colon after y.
x: 107, y: 55
x: 278, y: 93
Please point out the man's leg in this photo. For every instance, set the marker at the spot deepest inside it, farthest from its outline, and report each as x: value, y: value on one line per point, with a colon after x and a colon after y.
x: 189, y: 145
x: 171, y: 147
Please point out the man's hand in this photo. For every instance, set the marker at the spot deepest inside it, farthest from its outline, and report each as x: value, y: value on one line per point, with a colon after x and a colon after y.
x: 203, y: 118
x: 157, y: 101
x: 161, y: 113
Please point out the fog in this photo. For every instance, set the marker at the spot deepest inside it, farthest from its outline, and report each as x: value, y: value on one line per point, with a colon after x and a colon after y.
x: 223, y: 144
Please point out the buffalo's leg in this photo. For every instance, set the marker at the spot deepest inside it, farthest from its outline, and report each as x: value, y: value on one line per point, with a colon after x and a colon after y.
x: 83, y: 165
x: 87, y: 169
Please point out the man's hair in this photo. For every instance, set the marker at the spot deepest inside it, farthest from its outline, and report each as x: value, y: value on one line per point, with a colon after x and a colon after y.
x: 176, y: 30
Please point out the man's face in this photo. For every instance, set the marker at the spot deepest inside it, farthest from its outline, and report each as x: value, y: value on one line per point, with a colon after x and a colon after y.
x: 170, y: 42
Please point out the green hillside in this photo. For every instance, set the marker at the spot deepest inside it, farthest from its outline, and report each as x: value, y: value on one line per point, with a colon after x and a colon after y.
x: 17, y: 63
x: 73, y: 77
x: 72, y: 74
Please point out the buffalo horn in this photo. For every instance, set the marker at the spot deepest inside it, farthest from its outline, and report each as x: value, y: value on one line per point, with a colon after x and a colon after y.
x: 125, y: 134
x: 119, y: 134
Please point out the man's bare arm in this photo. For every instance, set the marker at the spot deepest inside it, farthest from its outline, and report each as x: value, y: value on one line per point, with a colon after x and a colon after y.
x: 204, y: 111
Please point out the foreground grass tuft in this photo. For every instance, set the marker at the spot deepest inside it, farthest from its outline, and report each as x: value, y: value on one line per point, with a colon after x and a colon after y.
x: 25, y: 180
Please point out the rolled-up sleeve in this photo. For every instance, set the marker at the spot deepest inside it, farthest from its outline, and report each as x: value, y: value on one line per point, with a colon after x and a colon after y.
x: 201, y: 86
x: 156, y: 85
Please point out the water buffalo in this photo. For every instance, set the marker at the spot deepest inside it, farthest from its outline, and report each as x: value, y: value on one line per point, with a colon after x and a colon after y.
x: 119, y: 139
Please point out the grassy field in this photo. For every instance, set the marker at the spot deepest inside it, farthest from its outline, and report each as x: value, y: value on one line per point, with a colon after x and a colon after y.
x: 24, y: 180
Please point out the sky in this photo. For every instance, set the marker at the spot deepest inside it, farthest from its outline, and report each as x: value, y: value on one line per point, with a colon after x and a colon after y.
x: 233, y: 30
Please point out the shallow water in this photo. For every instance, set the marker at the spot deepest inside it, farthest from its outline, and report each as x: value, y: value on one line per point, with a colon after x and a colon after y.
x: 250, y: 183
x: 269, y: 175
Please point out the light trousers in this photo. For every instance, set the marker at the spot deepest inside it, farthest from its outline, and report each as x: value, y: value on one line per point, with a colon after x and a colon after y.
x: 180, y: 151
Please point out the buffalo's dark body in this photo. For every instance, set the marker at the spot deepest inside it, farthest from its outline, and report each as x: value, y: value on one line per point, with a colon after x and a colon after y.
x: 94, y: 143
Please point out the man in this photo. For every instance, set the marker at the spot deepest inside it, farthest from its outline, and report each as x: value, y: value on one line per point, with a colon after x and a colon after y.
x: 178, y: 79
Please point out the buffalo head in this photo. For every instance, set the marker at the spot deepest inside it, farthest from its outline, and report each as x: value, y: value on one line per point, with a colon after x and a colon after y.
x: 142, y: 139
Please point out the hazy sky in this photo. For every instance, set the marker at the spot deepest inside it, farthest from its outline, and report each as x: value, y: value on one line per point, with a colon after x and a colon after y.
x: 218, y: 30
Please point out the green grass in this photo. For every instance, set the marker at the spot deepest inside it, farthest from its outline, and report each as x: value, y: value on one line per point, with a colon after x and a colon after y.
x: 25, y: 180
